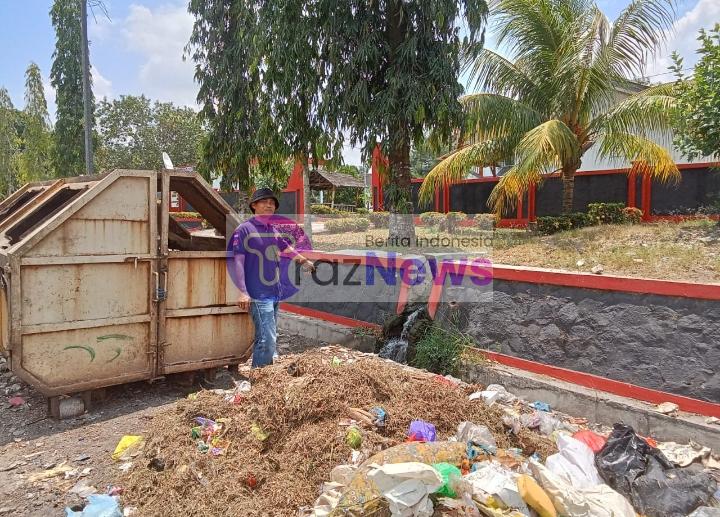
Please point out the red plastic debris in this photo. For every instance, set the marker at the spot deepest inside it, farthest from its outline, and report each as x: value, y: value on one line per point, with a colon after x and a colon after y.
x: 16, y: 401
x: 591, y: 439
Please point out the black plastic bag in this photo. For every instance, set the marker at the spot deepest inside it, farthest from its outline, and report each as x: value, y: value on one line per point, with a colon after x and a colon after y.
x: 642, y: 474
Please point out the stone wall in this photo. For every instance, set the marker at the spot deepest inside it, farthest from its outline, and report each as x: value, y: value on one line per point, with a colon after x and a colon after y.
x: 661, y: 342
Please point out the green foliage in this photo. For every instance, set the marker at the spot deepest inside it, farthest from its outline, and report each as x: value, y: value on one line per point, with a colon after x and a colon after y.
x: 324, y: 210
x: 134, y: 133
x: 186, y: 215
x: 432, y: 218
x: 485, y: 221
x: 606, y: 213
x: 632, y: 215
x: 451, y: 221
x: 8, y: 145
x: 66, y: 78
x: 363, y: 211
x: 35, y: 160
x: 555, y: 96
x: 347, y: 224
x: 379, y: 219
x: 439, y: 351
x: 552, y: 224
x: 697, y: 116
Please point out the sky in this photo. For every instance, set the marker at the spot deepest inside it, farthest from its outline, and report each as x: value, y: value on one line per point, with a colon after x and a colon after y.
x: 139, y: 49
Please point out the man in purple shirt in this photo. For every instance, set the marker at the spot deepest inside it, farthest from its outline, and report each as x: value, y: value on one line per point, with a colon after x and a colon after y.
x: 257, y: 246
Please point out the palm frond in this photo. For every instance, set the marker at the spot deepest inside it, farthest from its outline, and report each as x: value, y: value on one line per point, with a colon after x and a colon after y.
x: 511, y: 187
x: 641, y: 114
x: 456, y: 165
x: 493, y: 73
x: 489, y: 116
x: 547, y: 146
x: 637, y: 34
x: 646, y: 155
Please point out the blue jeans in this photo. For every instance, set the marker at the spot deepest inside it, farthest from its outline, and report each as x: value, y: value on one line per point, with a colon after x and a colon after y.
x: 264, y: 315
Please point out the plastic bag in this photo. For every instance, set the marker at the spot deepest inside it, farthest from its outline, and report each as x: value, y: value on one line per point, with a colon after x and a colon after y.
x: 353, y: 438
x: 125, y: 443
x: 591, y: 439
x: 629, y: 465
x: 448, y: 473
x: 624, y: 458
x: 421, y: 431
x: 535, y: 497
x: 406, y: 487
x: 492, y: 483
x: 478, y: 434
x: 597, y: 501
x: 706, y: 511
x: 98, y: 506
x: 671, y: 492
x: 574, y: 463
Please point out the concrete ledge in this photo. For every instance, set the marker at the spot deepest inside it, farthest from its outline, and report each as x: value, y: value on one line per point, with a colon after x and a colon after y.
x: 597, y: 406
x: 326, y: 332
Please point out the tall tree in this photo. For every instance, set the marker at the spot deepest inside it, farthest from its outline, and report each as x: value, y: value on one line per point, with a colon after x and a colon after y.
x: 557, y: 96
x: 66, y: 78
x: 35, y: 162
x: 392, y: 73
x: 8, y: 145
x: 224, y: 45
x: 133, y: 133
x: 697, y: 117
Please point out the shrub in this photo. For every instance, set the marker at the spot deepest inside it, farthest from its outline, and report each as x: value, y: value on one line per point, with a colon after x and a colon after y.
x: 379, y: 219
x: 439, y: 351
x: 632, y: 215
x: 606, y: 213
x: 186, y: 215
x: 485, y: 221
x: 431, y: 218
x: 323, y: 210
x: 451, y: 220
x: 348, y: 224
x: 579, y: 220
x: 547, y: 225
x: 362, y: 210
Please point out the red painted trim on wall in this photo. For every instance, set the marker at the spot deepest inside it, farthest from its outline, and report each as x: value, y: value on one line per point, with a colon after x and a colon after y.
x: 624, y: 389
x: 327, y: 316
x: 606, y: 282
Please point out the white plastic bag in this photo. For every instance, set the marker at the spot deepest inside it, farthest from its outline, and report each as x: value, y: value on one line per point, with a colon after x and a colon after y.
x: 597, y: 501
x: 479, y: 434
x: 407, y: 487
x: 574, y: 463
x: 492, y: 480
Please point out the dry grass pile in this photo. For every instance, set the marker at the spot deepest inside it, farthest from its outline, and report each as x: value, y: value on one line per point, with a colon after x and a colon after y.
x: 299, y: 402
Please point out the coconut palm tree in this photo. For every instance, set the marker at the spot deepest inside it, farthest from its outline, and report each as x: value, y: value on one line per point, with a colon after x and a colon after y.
x: 559, y: 95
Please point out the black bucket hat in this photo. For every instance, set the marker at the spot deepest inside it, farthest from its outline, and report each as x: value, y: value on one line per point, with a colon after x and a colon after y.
x: 263, y: 193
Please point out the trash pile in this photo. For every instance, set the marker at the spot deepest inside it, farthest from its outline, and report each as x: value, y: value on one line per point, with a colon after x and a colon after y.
x: 333, y: 432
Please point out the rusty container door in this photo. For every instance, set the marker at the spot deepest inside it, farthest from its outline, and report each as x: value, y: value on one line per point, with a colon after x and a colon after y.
x: 200, y: 326
x: 83, y: 292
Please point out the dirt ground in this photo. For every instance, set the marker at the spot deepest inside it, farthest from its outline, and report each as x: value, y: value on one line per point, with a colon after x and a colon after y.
x: 31, y: 443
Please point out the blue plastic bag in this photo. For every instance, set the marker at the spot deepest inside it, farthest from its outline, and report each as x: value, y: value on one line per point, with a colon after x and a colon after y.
x: 99, y: 505
x: 421, y: 431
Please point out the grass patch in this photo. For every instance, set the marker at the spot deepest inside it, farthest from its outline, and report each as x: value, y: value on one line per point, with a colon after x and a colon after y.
x: 439, y: 351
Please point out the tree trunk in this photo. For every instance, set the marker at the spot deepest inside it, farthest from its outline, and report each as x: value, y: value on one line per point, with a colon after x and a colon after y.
x: 307, y: 216
x: 568, y: 192
x: 332, y: 198
x: 401, y: 225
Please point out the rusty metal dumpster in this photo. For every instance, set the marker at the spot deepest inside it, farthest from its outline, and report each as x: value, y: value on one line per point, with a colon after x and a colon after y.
x: 101, y: 286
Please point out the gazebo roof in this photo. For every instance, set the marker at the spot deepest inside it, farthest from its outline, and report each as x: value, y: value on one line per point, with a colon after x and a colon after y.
x: 323, y: 179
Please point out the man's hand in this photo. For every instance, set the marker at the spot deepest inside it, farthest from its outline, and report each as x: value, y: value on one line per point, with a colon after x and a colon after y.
x: 243, y: 302
x: 309, y: 266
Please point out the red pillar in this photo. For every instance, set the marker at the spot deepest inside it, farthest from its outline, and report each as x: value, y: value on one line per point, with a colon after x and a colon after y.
x: 631, y: 189
x: 519, y: 207
x: 531, y: 203
x: 378, y: 160
x: 646, y: 196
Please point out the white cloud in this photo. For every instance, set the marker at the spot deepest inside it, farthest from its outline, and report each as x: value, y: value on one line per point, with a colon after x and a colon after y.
x: 683, y: 37
x: 160, y: 35
x: 101, y: 86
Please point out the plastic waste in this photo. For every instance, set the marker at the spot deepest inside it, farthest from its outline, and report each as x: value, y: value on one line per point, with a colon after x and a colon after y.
x: 421, y: 431
x: 591, y: 439
x: 548, y: 423
x: 353, y: 438
x: 671, y: 492
x: 380, y: 416
x: 450, y: 474
x: 406, y: 487
x: 642, y: 473
x: 492, y: 484
x: 478, y: 434
x: 574, y: 463
x: 597, y: 501
x: 541, y: 406
x: 504, y: 395
x: 683, y: 455
x: 258, y: 432
x: 535, y: 496
x: 98, y: 506
x: 126, y: 442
